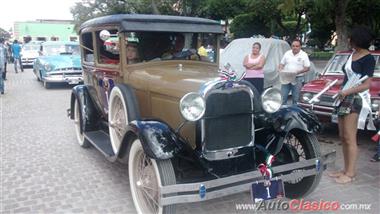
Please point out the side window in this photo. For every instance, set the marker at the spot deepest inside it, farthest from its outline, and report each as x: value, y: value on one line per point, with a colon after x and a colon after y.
x: 108, y: 50
x: 87, y: 47
x: 133, y: 49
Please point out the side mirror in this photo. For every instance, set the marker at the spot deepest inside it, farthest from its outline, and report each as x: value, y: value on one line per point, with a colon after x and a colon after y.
x: 104, y: 35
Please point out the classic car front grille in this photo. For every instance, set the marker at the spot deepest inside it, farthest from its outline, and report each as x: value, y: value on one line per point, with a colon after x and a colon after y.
x: 326, y: 100
x: 228, y: 119
x: 66, y: 74
x: 69, y: 69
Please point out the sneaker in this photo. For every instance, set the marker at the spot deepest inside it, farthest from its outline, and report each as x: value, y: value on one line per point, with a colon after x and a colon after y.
x: 375, y: 158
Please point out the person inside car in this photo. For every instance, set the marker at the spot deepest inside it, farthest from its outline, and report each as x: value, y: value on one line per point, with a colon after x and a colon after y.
x: 132, y: 53
x: 178, y: 51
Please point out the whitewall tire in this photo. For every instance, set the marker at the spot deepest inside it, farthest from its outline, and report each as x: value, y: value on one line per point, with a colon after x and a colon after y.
x: 117, y: 118
x: 82, y: 141
x: 146, y: 175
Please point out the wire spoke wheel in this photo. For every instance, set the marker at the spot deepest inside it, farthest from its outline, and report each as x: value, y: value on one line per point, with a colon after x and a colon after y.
x: 299, y: 146
x: 82, y: 141
x: 146, y: 175
x: 117, y: 118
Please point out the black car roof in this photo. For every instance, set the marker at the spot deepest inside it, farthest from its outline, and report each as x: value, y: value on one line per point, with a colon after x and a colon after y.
x: 162, y: 23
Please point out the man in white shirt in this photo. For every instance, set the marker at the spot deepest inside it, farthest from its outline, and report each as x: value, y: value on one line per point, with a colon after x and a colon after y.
x: 297, y: 62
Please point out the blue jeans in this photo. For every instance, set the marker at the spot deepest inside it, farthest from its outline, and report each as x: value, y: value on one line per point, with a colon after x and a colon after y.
x: 18, y: 61
x: 1, y: 80
x: 295, y: 89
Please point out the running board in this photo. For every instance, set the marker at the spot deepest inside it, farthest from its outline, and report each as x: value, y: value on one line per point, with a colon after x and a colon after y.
x: 101, y: 141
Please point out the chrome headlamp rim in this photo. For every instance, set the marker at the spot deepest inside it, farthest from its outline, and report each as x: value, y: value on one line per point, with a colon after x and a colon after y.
x: 187, y: 96
x: 307, y: 96
x: 264, y: 99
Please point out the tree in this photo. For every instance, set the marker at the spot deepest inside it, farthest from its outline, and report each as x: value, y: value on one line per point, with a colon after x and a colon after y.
x: 224, y: 9
x: 87, y: 9
x: 4, y: 34
x: 365, y: 12
x: 340, y: 7
x: 287, y: 15
x: 247, y: 25
x: 322, y: 25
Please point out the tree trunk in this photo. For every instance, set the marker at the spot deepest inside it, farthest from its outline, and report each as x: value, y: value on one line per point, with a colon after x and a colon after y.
x: 154, y: 7
x: 341, y: 26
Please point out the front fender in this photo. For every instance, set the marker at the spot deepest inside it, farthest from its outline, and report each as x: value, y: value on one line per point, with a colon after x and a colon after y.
x: 285, y: 120
x: 295, y: 117
x: 158, y: 139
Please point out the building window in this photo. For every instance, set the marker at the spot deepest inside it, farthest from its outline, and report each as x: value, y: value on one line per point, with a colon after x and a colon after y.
x: 73, y: 38
x: 43, y: 39
x: 54, y: 38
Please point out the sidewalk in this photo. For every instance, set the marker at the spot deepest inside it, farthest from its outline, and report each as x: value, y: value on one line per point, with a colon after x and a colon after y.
x: 366, y: 188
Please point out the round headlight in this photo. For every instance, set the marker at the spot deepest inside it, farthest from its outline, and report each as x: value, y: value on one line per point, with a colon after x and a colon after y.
x: 375, y: 105
x: 192, y: 106
x: 48, y: 67
x: 306, y: 97
x: 271, y: 100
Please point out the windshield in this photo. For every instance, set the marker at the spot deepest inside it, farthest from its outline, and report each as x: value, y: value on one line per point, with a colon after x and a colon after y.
x: 336, y: 65
x: 31, y: 48
x: 49, y: 50
x: 154, y: 46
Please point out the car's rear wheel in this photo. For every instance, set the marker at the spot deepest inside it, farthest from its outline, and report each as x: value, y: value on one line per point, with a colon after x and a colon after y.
x: 298, y: 146
x: 117, y: 118
x: 82, y: 141
x: 146, y: 175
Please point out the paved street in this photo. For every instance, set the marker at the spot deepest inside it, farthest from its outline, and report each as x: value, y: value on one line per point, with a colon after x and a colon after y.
x: 43, y: 170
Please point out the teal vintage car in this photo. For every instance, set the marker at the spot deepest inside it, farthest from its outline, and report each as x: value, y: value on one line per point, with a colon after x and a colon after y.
x: 59, y: 62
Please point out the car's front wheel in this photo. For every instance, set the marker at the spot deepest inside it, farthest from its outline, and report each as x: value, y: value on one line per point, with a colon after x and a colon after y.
x: 299, y: 145
x: 146, y: 175
x: 47, y: 85
x: 82, y: 141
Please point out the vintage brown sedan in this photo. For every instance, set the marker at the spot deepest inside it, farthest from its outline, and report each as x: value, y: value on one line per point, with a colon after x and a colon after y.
x: 153, y: 98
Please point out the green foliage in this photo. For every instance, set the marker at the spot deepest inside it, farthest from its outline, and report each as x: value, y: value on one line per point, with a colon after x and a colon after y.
x: 322, y: 24
x: 224, y: 9
x: 4, y: 34
x: 365, y: 12
x: 283, y: 17
x: 266, y: 17
x: 321, y: 55
x: 247, y: 25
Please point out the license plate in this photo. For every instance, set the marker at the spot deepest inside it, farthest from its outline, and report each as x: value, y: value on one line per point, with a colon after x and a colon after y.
x: 72, y: 82
x: 334, y: 118
x: 261, y: 192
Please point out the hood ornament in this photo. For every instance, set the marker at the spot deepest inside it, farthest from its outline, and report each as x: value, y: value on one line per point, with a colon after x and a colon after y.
x: 228, y: 73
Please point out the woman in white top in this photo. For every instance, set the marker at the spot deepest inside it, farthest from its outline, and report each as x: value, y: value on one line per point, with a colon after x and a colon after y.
x: 254, y: 63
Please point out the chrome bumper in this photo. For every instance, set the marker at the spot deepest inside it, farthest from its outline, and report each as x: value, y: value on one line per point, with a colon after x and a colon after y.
x: 64, y: 78
x: 187, y: 193
x: 327, y: 110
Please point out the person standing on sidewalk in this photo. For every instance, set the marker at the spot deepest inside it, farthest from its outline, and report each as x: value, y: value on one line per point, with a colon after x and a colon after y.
x: 254, y: 64
x: 295, y: 61
x: 2, y: 63
x: 16, y: 51
x: 355, y: 101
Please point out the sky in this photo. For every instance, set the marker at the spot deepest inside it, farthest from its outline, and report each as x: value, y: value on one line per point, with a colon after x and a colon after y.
x: 30, y: 10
